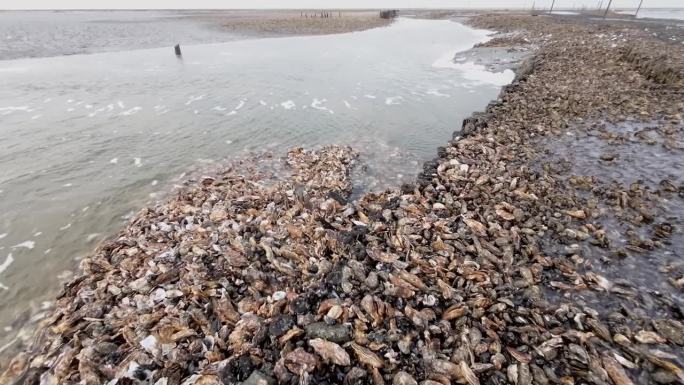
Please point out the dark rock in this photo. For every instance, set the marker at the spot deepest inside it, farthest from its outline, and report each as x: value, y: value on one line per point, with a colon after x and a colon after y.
x: 333, y: 333
x: 280, y: 325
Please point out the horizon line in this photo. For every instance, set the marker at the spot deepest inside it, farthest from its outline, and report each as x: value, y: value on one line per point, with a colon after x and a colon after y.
x: 325, y: 8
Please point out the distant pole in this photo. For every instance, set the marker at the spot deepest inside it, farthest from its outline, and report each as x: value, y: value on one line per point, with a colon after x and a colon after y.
x: 638, y: 8
x: 533, y: 3
x: 600, y: 5
x: 607, y: 9
x: 552, y: 4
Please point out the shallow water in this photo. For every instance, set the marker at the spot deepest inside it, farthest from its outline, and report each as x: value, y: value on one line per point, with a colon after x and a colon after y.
x: 640, y: 154
x: 56, y: 33
x: 87, y: 139
x: 656, y: 13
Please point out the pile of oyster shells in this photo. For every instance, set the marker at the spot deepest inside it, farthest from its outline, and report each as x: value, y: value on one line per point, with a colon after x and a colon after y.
x: 252, y: 276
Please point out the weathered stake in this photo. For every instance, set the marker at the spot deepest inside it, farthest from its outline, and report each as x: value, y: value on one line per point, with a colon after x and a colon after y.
x: 638, y: 8
x: 607, y: 9
x: 178, y: 50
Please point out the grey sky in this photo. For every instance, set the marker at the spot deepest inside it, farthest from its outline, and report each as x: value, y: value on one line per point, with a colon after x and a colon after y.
x: 317, y: 4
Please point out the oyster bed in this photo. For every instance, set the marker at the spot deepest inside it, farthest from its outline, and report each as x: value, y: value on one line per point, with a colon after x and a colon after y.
x: 477, y: 273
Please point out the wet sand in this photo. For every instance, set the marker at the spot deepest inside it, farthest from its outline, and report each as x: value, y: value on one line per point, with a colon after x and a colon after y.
x: 506, y: 261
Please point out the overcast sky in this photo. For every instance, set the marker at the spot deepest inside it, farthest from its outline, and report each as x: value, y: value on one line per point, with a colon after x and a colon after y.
x: 251, y: 4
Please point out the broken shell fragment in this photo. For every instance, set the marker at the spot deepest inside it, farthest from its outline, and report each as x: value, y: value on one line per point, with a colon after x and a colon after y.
x: 330, y: 351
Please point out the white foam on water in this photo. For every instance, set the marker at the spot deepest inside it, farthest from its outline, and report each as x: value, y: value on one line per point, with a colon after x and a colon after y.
x: 435, y: 92
x: 317, y: 104
x: 72, y: 100
x: 92, y: 114
x: 10, y: 109
x: 70, y: 109
x: 288, y: 104
x: 47, y: 100
x: 231, y: 113
x: 196, y: 112
x: 65, y: 227
x: 240, y: 105
x: 137, y: 162
x: 479, y: 74
x: 38, y: 234
x: 370, y: 96
x: 219, y: 108
x: 346, y: 103
x: 120, y: 104
x: 25, y: 245
x: 46, y: 252
x: 67, y: 185
x: 194, y: 99
x: 154, y: 182
x: 393, y: 100
x: 92, y: 236
x: 229, y: 142
x: 5, y: 264
x: 85, y: 209
x: 88, y: 106
x: 131, y: 111
x: 114, y: 161
x: 476, y: 72
x: 34, y: 117
x: 3, y: 235
x: 263, y: 103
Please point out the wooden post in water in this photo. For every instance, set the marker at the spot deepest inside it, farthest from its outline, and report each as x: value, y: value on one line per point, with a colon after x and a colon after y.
x: 607, y: 9
x: 638, y: 8
x: 178, y: 51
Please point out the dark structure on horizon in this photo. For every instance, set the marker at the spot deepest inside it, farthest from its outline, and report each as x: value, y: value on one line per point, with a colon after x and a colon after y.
x: 389, y: 14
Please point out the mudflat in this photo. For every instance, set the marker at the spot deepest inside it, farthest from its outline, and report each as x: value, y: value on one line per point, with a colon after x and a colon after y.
x: 277, y: 23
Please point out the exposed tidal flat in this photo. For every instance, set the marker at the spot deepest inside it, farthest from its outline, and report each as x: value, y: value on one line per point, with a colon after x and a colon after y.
x: 541, y: 245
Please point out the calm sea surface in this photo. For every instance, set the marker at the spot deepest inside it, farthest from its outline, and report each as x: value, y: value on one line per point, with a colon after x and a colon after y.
x: 87, y: 139
x: 658, y: 13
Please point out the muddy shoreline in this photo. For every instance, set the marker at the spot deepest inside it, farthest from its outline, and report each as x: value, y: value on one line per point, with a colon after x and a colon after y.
x: 295, y: 23
x: 488, y: 270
